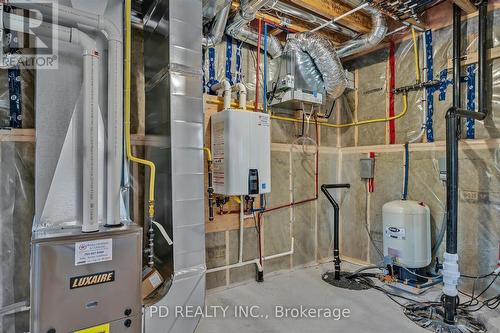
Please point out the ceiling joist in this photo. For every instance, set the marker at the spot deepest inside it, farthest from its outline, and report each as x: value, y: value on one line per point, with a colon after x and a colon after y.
x: 331, y: 9
x: 466, y: 5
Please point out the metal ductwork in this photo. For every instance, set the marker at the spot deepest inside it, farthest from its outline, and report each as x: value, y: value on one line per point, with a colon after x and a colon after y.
x: 318, y: 62
x: 310, y: 18
x: 238, y: 27
x: 211, y: 8
x: 374, y: 37
x: 216, y: 32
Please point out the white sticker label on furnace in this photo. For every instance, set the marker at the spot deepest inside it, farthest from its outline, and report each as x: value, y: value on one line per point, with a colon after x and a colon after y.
x: 94, y: 251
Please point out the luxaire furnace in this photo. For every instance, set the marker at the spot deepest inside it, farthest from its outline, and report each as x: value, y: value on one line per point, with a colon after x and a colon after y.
x: 86, y: 282
x: 86, y: 258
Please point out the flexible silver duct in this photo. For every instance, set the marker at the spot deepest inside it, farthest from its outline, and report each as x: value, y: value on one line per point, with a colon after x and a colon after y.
x: 238, y: 27
x: 374, y: 37
x: 211, y: 8
x: 318, y: 62
x: 310, y: 18
x: 216, y: 32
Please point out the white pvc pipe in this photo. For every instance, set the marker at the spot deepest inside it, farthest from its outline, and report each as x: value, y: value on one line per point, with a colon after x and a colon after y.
x: 254, y: 261
x: 240, y: 87
x: 225, y: 86
x: 242, y: 225
x: 77, y: 17
x: 90, y: 220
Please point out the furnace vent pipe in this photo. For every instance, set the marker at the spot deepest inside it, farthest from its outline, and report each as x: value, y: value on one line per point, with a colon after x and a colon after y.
x: 368, y: 41
x: 216, y: 33
x: 90, y: 221
x: 238, y: 27
x: 75, y: 17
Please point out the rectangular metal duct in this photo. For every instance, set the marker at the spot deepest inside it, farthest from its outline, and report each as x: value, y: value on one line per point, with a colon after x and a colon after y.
x: 174, y: 112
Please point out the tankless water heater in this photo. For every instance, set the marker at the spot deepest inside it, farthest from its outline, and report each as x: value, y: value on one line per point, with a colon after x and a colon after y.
x: 241, y: 148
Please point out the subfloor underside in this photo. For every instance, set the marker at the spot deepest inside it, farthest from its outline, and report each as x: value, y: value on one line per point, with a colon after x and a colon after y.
x: 370, y: 310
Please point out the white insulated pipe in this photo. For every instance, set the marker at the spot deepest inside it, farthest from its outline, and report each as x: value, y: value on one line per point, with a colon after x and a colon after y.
x: 75, y: 17
x: 90, y: 221
x: 225, y: 86
x: 240, y: 87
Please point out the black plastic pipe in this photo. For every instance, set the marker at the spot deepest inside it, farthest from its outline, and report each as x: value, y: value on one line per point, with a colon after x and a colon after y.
x: 452, y: 128
x: 210, y: 191
x: 452, y: 135
x: 336, y: 209
x: 482, y: 65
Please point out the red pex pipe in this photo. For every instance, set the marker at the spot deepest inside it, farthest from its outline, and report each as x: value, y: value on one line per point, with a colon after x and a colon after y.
x: 392, y: 85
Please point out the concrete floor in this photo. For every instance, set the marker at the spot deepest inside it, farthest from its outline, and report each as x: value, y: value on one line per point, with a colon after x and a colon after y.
x: 370, y: 311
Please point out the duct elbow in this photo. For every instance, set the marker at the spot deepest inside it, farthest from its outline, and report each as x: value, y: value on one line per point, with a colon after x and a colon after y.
x: 368, y: 41
x: 216, y: 33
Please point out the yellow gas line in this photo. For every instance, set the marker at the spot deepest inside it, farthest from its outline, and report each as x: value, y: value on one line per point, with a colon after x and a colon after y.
x: 415, y: 53
x: 150, y: 164
x: 357, y: 123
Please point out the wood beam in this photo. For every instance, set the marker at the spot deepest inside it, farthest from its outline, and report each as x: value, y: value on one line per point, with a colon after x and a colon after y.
x: 331, y: 9
x: 466, y: 5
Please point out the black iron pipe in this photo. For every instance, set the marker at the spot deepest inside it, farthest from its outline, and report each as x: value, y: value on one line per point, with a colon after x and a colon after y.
x: 336, y: 222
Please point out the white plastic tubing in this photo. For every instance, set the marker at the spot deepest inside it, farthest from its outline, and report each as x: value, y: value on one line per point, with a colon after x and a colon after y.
x: 226, y: 88
x: 90, y: 107
x: 75, y: 17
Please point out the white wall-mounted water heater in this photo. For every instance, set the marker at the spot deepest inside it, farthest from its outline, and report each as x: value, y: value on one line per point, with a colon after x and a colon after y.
x: 241, y: 149
x: 407, y: 232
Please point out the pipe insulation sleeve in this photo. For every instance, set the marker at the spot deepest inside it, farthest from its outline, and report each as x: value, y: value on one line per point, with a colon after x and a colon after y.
x: 318, y: 61
x: 450, y: 274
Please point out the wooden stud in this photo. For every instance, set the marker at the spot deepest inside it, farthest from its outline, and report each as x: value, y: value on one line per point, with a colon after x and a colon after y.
x: 466, y: 5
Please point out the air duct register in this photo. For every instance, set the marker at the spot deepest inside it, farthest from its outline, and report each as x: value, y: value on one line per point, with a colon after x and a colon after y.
x: 241, y: 148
